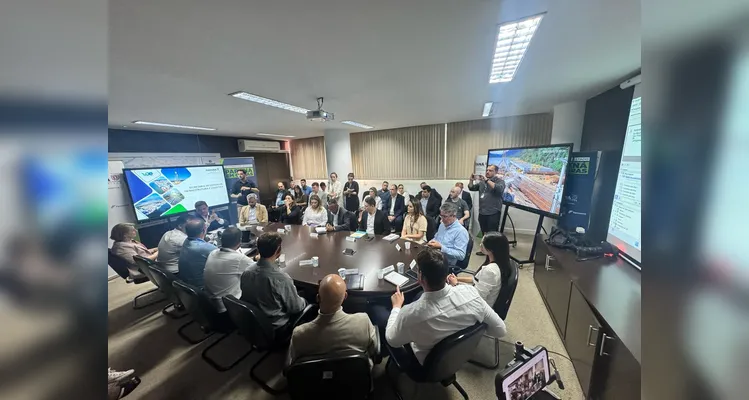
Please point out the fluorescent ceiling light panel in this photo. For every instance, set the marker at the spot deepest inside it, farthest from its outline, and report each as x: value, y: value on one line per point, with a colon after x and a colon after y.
x: 487, y: 109
x: 268, y: 102
x: 271, y: 134
x: 197, y: 128
x: 513, y: 40
x: 356, y: 124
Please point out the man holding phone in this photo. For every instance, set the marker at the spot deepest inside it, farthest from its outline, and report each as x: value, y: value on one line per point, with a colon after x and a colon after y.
x: 491, y: 188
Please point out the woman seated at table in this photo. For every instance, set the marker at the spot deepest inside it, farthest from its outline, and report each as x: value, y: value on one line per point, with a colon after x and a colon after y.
x: 300, y: 199
x: 373, y: 194
x: 494, y: 273
x: 290, y: 211
x: 125, y: 246
x: 253, y: 213
x: 315, y: 215
x: 415, y: 223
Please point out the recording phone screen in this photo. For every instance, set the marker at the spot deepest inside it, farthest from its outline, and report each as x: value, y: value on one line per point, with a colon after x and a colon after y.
x: 161, y: 192
x: 624, y: 226
x: 531, y: 377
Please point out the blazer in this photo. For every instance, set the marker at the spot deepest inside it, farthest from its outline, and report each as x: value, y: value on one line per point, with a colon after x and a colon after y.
x: 261, y: 213
x: 381, y: 223
x: 400, y: 205
x: 293, y: 217
x: 433, y: 207
x: 343, y: 221
x: 352, y: 200
x: 466, y: 196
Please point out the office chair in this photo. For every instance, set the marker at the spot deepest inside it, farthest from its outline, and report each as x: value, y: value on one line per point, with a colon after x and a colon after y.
x: 254, y: 326
x: 119, y: 265
x: 501, y: 306
x: 204, y: 313
x: 442, y: 362
x: 463, y: 264
x: 431, y: 228
x: 165, y: 279
x: 343, y: 376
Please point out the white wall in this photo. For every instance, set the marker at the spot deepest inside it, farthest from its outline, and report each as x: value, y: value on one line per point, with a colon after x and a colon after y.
x: 338, y: 152
x: 567, y: 126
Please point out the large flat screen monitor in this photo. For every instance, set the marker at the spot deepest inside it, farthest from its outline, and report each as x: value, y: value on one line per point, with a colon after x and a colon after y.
x: 534, y: 176
x: 162, y: 192
x: 624, y: 226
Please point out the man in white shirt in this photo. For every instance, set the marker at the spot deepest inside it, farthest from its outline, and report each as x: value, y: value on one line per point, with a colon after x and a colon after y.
x: 171, y: 244
x: 441, y: 311
x: 322, y: 195
x: 224, y: 268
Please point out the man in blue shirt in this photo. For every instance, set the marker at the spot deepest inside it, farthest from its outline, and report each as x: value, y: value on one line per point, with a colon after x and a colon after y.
x: 451, y: 238
x: 306, y: 189
x: 275, y: 209
x: 194, y: 253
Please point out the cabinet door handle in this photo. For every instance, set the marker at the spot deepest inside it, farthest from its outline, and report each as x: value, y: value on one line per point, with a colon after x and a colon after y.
x: 590, y: 331
x: 603, y: 343
x: 548, y: 263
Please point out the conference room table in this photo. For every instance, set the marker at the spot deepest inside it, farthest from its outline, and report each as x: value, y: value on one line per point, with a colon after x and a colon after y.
x: 370, y: 256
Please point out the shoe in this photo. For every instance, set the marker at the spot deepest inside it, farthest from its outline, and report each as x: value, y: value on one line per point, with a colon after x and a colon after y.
x: 478, y: 253
x: 119, y: 376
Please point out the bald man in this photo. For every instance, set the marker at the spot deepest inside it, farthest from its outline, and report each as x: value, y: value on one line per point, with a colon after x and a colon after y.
x: 464, y: 212
x: 333, y: 331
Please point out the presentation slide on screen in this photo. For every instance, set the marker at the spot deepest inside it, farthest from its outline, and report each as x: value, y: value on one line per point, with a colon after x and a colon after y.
x: 625, y: 222
x: 534, y: 177
x: 162, y: 192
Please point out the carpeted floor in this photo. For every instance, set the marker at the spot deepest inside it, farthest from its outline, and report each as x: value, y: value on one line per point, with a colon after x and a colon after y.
x: 170, y: 368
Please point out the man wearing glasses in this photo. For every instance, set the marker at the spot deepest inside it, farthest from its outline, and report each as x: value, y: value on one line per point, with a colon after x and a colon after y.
x: 451, y: 238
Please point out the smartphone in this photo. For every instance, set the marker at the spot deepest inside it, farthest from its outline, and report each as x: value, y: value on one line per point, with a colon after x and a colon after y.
x: 521, y: 380
x: 349, y: 252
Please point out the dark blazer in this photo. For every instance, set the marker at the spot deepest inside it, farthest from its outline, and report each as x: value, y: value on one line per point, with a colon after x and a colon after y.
x: 352, y: 200
x: 400, y: 205
x: 436, y: 194
x: 466, y: 195
x: 381, y: 223
x: 433, y: 206
x: 293, y: 217
x: 343, y: 222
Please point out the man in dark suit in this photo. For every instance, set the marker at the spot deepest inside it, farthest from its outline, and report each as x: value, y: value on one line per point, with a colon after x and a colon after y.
x: 394, y: 206
x: 430, y: 203
x: 466, y: 196
x: 212, y: 220
x: 372, y: 220
x: 339, y: 218
x: 435, y: 193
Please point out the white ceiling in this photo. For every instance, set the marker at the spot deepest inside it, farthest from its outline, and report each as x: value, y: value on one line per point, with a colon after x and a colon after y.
x: 386, y: 63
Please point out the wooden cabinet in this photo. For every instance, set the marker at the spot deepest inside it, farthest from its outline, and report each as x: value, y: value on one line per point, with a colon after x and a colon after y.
x: 554, y: 286
x: 622, y: 378
x: 583, y: 333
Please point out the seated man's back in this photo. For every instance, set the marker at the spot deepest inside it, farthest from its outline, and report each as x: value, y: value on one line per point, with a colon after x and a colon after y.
x: 194, y: 253
x: 333, y: 331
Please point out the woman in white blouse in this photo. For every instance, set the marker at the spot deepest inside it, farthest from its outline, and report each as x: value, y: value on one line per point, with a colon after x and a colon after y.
x: 315, y: 215
x: 373, y: 194
x: 495, y: 272
x: 335, y: 189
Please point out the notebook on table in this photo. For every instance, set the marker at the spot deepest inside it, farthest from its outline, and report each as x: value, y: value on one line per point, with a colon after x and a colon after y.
x: 358, y: 234
x: 396, y: 279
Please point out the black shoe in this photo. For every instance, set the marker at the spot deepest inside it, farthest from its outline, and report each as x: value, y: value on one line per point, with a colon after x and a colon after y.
x: 478, y: 253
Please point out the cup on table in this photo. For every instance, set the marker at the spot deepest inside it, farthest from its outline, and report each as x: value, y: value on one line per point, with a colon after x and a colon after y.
x: 315, y: 261
x: 408, y: 245
x: 282, y: 258
x: 401, y: 267
x: 342, y: 272
x: 380, y: 274
x: 288, y: 228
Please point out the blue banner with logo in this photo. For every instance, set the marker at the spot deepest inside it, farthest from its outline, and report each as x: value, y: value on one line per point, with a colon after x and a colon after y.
x: 231, y: 166
x: 581, y: 176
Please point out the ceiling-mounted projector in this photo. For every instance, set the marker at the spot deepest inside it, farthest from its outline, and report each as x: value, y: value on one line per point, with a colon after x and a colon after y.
x: 319, y: 115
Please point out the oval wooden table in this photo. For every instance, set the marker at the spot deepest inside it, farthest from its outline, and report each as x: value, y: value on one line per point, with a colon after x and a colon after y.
x: 370, y: 257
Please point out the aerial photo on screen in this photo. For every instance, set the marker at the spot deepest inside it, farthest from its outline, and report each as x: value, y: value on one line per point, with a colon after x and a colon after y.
x: 533, y: 177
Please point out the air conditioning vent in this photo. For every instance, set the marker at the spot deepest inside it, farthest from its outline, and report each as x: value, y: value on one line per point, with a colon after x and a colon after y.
x: 258, y: 145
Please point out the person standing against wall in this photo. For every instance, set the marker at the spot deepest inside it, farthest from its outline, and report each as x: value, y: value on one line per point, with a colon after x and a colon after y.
x: 491, y: 188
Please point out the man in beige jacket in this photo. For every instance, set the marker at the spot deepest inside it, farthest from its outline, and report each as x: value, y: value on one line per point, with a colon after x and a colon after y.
x: 253, y: 213
x: 333, y: 330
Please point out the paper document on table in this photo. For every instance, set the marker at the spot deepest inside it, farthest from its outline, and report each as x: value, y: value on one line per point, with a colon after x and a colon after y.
x: 396, y: 278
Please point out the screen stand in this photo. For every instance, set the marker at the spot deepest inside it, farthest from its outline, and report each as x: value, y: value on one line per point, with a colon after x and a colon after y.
x: 535, y: 236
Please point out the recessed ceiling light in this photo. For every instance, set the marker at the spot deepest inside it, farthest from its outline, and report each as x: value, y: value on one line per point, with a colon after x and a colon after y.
x: 197, y: 128
x: 488, y: 108
x: 268, y: 102
x: 354, y: 123
x: 271, y: 134
x: 513, y: 40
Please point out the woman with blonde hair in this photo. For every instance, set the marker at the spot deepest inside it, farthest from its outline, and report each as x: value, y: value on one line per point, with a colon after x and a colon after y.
x: 125, y: 246
x: 315, y: 214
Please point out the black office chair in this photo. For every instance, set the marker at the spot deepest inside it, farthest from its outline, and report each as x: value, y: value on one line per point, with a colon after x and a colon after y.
x: 204, y: 313
x: 165, y: 279
x: 431, y: 228
x: 443, y: 361
x: 501, y: 307
x: 119, y: 265
x: 463, y: 264
x: 344, y: 376
x: 254, y: 326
